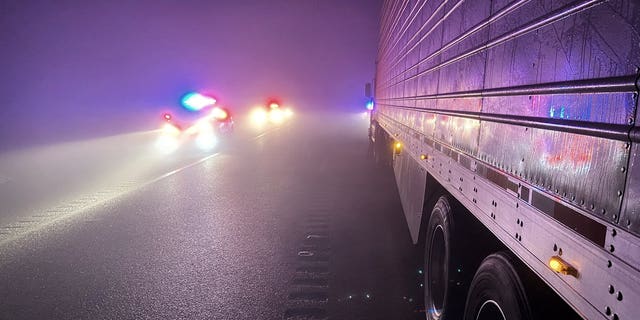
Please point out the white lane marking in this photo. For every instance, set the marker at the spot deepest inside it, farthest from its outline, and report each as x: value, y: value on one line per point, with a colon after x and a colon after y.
x: 81, y: 207
x: 170, y: 173
x: 268, y: 131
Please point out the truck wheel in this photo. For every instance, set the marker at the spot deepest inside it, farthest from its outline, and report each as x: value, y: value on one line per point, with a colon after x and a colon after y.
x: 442, y: 297
x: 496, y: 291
x: 379, y: 148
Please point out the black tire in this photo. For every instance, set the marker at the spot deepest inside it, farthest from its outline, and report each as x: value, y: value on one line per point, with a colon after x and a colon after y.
x: 497, y: 292
x: 371, y: 150
x: 443, y: 295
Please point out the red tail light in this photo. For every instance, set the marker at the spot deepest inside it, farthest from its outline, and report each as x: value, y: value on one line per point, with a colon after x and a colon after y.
x: 167, y: 116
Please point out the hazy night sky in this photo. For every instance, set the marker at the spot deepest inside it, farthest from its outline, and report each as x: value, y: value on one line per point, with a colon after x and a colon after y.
x: 78, y: 69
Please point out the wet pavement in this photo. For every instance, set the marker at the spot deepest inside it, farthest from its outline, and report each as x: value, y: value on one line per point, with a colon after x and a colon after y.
x: 296, y: 223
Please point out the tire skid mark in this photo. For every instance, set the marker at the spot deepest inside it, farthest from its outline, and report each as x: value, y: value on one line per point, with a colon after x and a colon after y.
x: 314, y: 257
x: 305, y: 253
x: 316, y: 236
x: 311, y: 282
x: 321, y: 296
x: 313, y: 269
x: 305, y: 313
x: 317, y: 225
x: 308, y: 293
x: 316, y: 247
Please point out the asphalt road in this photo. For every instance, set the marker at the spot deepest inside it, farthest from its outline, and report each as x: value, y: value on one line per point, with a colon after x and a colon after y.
x: 292, y: 223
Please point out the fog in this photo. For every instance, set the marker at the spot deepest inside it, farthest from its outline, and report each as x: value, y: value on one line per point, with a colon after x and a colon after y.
x: 77, y: 70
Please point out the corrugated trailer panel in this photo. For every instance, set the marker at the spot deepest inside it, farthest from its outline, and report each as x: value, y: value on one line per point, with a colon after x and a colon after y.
x: 563, y: 60
x: 585, y: 171
x: 531, y: 104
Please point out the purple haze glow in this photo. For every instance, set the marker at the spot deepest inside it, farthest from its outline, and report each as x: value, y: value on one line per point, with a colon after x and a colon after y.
x: 77, y: 69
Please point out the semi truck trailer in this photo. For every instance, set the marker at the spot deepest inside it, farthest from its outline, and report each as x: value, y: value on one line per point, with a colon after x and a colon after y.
x: 511, y: 128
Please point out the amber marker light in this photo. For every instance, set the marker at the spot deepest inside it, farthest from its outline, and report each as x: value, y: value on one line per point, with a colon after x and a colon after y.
x: 560, y: 266
x: 397, y: 147
x: 423, y: 157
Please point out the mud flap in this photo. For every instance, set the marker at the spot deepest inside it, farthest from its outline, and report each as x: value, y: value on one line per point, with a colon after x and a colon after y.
x: 411, y: 180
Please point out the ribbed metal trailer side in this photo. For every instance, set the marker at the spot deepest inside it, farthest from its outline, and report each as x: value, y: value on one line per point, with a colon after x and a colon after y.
x: 525, y: 111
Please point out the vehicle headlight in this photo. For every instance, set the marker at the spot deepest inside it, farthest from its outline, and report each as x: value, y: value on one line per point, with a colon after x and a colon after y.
x: 167, y: 143
x: 276, y: 116
x: 169, y: 129
x: 259, y: 117
x: 206, y: 140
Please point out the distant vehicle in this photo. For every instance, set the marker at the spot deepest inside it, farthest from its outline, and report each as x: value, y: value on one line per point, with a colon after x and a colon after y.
x: 271, y: 112
x: 204, y: 131
x: 222, y: 120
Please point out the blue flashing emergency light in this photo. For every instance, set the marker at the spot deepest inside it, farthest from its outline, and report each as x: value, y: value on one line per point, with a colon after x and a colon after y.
x: 194, y: 101
x: 370, y: 105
